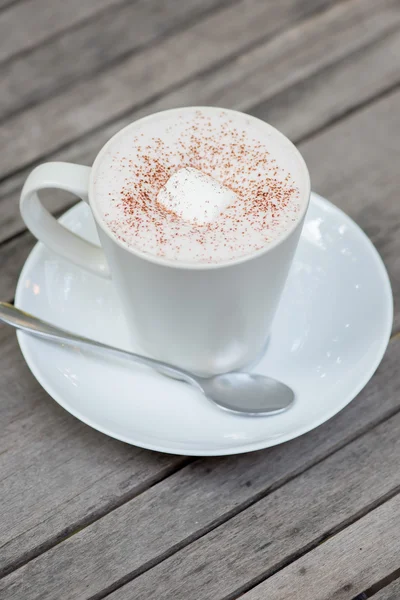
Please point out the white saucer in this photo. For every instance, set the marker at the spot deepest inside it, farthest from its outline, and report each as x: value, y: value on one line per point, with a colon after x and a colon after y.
x: 329, y: 335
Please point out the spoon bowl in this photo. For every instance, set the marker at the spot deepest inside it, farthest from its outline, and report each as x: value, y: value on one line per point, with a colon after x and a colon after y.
x: 253, y: 394
x: 242, y: 393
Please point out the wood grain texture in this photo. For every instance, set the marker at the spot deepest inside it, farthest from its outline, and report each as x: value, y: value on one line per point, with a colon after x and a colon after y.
x: 197, y: 498
x: 25, y: 24
x: 364, y: 184
x: 13, y: 256
x: 391, y: 592
x: 55, y: 472
x: 305, y: 51
x: 320, y: 99
x: 97, y: 514
x: 137, y: 79
x: 296, y: 517
x: 93, y: 46
x: 345, y: 565
x: 7, y: 3
x: 233, y: 556
x: 352, y: 164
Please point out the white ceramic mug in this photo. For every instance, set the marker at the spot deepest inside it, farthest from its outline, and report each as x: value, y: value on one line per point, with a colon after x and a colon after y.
x: 207, y: 318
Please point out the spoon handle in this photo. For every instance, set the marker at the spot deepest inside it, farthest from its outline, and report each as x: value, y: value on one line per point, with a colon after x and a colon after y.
x: 26, y: 322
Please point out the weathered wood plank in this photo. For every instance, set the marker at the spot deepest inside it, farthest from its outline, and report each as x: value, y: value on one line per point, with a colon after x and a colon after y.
x: 200, y: 496
x: 142, y: 76
x: 211, y: 490
x: 352, y: 164
x: 91, y: 47
x: 291, y: 520
x: 57, y: 473
x: 287, y: 522
x: 57, y: 525
x: 345, y: 565
x: 6, y: 3
x: 298, y: 53
x: 391, y: 592
x: 26, y: 24
x: 36, y: 77
x: 322, y: 98
x: 369, y: 182
x: 13, y: 256
x: 338, y: 36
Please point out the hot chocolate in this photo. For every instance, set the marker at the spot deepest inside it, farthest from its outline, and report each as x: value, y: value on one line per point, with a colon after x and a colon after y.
x: 198, y: 186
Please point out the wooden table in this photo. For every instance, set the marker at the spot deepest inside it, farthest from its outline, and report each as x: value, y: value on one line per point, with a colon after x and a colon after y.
x: 84, y: 517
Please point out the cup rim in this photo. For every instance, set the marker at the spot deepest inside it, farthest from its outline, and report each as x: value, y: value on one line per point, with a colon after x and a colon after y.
x: 185, y: 265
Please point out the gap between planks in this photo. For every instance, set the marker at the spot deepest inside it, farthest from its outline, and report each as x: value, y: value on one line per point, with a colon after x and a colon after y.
x: 375, y: 92
x: 48, y: 37
x: 210, y: 63
x: 339, y: 566
x: 309, y: 136
x: 242, y: 592
x: 107, y: 65
x: 6, y: 4
x: 364, y: 104
x: 247, y: 533
x: 93, y: 517
x: 78, y: 527
x: 23, y: 235
x: 225, y: 518
x: 386, y: 589
x: 350, y: 498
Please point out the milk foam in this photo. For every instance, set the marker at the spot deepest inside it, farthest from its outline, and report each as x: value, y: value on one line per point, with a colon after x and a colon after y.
x: 194, y: 196
x: 199, y: 185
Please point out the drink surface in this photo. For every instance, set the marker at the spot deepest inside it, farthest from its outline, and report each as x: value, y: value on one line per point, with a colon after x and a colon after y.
x: 199, y: 185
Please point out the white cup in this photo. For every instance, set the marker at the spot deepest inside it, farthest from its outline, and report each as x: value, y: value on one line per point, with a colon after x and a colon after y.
x: 207, y: 318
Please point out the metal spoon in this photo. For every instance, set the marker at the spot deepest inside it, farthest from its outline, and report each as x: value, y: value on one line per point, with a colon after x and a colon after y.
x: 241, y: 393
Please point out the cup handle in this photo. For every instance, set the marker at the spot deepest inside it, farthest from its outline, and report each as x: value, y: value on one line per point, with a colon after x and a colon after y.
x: 71, y: 178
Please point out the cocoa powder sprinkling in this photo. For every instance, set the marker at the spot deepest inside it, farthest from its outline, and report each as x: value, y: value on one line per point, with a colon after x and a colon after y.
x: 267, y: 197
